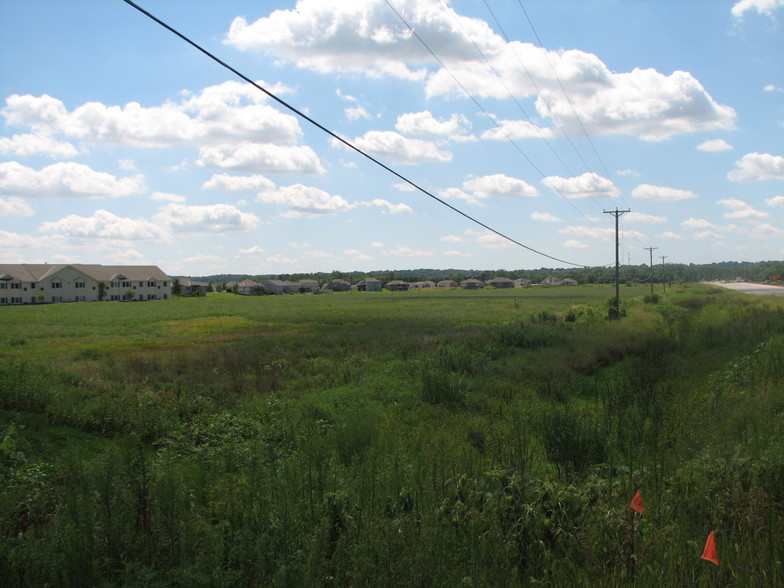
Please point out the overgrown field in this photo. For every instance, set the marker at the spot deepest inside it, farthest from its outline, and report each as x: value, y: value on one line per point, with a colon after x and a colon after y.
x: 490, y: 438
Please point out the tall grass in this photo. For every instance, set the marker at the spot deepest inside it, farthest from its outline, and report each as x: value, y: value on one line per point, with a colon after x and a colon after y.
x: 429, y: 440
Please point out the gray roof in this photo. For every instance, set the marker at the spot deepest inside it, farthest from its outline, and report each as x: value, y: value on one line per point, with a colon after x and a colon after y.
x: 35, y: 272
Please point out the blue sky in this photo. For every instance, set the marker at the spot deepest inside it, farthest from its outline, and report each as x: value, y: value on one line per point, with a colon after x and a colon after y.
x: 121, y: 144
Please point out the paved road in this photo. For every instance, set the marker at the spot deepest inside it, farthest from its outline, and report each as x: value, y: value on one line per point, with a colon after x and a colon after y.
x: 748, y: 288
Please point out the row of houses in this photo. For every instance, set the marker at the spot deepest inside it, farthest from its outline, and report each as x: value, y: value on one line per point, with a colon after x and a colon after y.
x: 30, y: 283
x: 250, y: 287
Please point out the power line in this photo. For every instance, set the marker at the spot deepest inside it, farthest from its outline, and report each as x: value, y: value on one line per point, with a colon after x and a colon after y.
x: 490, y: 117
x: 339, y: 138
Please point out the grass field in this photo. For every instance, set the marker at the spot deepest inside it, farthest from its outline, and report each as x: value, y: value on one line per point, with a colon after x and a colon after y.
x: 424, y: 438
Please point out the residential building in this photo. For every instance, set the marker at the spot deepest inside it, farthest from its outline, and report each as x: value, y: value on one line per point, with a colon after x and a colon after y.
x: 31, y: 283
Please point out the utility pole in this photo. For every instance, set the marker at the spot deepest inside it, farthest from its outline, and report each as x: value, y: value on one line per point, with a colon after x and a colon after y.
x: 650, y: 250
x: 616, y: 213
x: 664, y: 281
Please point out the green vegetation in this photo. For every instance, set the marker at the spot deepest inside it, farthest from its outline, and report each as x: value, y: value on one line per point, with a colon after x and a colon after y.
x: 428, y: 438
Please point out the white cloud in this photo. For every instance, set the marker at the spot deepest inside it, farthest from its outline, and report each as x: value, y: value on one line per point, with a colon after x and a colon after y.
x: 489, y: 239
x: 714, y: 145
x: 230, y: 182
x: 15, y: 206
x: 740, y: 209
x: 356, y: 255
x: 16, y: 241
x: 393, y: 147
x: 368, y: 38
x: 772, y: 88
x: 574, y: 244
x: 425, y: 124
x: 661, y: 193
x: 357, y: 112
x: 405, y: 251
x: 213, y: 218
x: 775, y: 201
x: 627, y: 172
x: 451, y: 239
x: 671, y: 235
x: 545, y: 217
x: 454, y: 253
x: 696, y: 223
x: 255, y: 250
x: 647, y: 219
x: 261, y: 157
x: 65, y: 180
x: 304, y: 201
x: 765, y: 7
x: 588, y: 185
x: 166, y: 197
x: 484, y: 187
x: 27, y: 145
x: 389, y: 207
x: 702, y: 235
x: 758, y: 166
x: 514, y: 130
x: 105, y: 225
x: 766, y: 231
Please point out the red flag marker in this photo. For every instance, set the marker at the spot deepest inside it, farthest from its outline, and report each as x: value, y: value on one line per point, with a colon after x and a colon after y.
x: 709, y: 553
x: 637, y: 503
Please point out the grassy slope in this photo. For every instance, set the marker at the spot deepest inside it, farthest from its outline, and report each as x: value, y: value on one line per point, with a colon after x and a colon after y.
x: 425, y: 438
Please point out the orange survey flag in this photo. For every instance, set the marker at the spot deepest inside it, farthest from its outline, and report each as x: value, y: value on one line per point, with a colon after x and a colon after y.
x: 637, y: 503
x: 710, y: 553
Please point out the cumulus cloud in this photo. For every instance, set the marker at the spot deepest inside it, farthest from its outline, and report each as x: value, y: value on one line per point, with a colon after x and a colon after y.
x: 758, y: 166
x: 232, y: 183
x: 775, y: 201
x: 588, y: 185
x: 426, y: 125
x: 213, y: 218
x: 15, y: 206
x: 514, y: 130
x: 545, y: 217
x: 714, y: 145
x: 451, y: 239
x: 696, y: 224
x: 389, y: 207
x: 65, y: 180
x: 405, y: 251
x: 393, y: 147
x: 592, y: 232
x: 646, y: 219
x: 165, y: 196
x: 661, y: 193
x: 765, y: 7
x: 261, y: 157
x: 488, y: 239
x: 368, y: 38
x: 255, y: 250
x: 105, y: 225
x: 484, y: 187
x: 740, y: 209
x: 574, y: 244
x: 304, y: 201
x: 29, y: 144
x: 671, y: 235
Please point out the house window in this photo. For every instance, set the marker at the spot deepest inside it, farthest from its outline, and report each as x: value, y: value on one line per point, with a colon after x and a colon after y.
x: 16, y: 285
x: 57, y: 284
x: 126, y: 284
x: 3, y: 300
x: 3, y: 285
x: 57, y: 298
x: 151, y: 284
x: 116, y: 297
x: 141, y: 284
x: 16, y: 300
x: 79, y: 284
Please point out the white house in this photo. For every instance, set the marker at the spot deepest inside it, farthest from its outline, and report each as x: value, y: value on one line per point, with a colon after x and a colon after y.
x: 30, y: 283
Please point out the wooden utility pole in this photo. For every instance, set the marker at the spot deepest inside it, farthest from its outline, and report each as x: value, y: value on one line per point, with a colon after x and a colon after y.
x: 650, y: 250
x: 616, y: 213
x: 664, y: 281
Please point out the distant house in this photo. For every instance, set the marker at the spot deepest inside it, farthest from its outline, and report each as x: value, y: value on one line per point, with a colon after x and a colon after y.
x: 447, y: 284
x: 337, y: 285
x: 500, y: 282
x: 472, y: 284
x: 522, y: 283
x: 280, y: 287
x: 247, y: 287
x: 425, y: 284
x: 556, y: 281
x: 398, y: 286
x: 190, y: 287
x: 369, y: 285
x: 308, y: 286
x: 30, y: 283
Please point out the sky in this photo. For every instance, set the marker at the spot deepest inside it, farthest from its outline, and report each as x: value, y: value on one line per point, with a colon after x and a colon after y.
x: 511, y: 134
